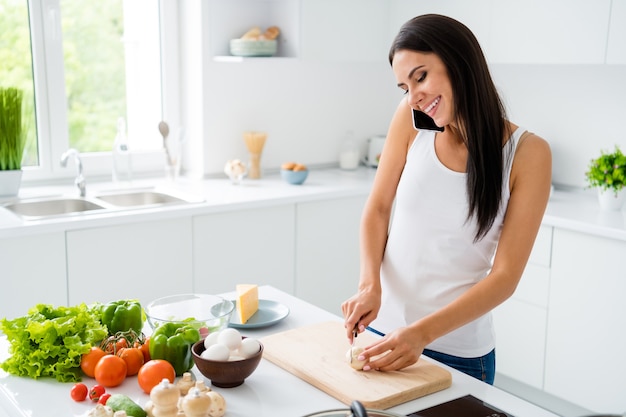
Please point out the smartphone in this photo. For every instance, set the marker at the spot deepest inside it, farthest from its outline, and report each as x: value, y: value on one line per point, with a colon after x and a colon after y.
x: 422, y: 121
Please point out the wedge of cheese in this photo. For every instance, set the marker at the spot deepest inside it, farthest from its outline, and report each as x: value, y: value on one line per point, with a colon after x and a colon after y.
x: 247, y: 301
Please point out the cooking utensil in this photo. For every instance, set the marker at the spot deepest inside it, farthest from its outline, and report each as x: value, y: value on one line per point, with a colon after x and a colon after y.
x: 356, y: 410
x: 164, y: 129
x: 317, y: 354
x: 355, y: 333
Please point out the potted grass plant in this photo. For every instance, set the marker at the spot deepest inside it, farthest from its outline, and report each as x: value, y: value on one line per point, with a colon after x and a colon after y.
x: 12, y: 140
x: 607, y: 173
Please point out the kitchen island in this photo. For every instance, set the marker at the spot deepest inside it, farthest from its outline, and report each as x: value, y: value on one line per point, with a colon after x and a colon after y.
x: 269, y: 392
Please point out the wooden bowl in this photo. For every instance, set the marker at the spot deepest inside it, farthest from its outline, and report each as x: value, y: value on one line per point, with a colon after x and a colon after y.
x: 225, y: 374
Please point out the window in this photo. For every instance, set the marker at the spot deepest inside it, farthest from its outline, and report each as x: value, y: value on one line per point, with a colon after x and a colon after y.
x: 83, y: 64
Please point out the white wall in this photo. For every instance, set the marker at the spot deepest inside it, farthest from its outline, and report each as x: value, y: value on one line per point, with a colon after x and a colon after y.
x: 305, y: 107
x: 579, y: 109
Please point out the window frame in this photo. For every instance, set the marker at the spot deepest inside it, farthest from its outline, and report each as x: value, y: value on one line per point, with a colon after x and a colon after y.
x: 51, y: 102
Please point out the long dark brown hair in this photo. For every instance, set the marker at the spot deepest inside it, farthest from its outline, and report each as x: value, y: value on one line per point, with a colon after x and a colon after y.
x: 479, y: 111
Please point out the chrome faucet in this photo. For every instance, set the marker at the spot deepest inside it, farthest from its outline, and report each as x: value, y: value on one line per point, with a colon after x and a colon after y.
x: 80, y: 178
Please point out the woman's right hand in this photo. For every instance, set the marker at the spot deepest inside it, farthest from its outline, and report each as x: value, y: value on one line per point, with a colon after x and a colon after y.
x: 360, y: 310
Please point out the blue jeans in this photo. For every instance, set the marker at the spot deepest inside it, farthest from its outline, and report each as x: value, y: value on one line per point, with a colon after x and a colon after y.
x: 482, y: 368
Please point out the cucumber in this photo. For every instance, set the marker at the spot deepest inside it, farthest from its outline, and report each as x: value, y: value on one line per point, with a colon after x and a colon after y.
x: 119, y: 402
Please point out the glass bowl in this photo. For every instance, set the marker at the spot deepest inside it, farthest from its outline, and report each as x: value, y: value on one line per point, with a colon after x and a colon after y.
x: 208, y: 313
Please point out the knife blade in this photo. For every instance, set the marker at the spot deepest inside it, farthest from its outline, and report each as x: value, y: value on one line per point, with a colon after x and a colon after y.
x: 355, y: 333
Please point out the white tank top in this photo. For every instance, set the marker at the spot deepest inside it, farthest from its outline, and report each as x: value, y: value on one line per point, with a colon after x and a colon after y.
x: 430, y: 257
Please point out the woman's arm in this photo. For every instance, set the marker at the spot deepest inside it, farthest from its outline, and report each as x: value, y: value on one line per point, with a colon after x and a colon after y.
x: 363, y: 307
x: 530, y: 190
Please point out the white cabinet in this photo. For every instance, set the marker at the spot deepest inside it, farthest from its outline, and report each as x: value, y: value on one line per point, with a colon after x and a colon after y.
x: 616, y: 47
x: 33, y: 272
x: 474, y: 14
x: 585, y: 360
x: 521, y: 321
x: 549, y: 32
x: 327, y: 257
x: 248, y: 246
x: 144, y: 260
x: 347, y: 30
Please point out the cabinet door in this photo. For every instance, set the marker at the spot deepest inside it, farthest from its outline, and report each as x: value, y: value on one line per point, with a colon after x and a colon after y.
x: 347, y: 30
x: 144, y: 260
x: 33, y: 272
x: 522, y: 320
x: 327, y: 257
x: 520, y: 341
x: 586, y: 339
x: 474, y: 14
x: 616, y: 48
x: 549, y: 32
x: 251, y: 246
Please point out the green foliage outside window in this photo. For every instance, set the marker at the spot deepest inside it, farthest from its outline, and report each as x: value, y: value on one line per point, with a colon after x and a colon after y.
x: 94, y: 69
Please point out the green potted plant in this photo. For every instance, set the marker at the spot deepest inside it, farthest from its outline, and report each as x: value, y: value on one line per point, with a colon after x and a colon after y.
x: 607, y: 173
x: 12, y: 140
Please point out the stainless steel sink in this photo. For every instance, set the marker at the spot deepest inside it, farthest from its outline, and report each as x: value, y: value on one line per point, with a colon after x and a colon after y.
x: 140, y: 198
x: 46, y: 207
x: 104, y: 202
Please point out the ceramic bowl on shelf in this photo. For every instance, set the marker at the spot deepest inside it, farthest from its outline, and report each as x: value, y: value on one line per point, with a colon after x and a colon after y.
x: 294, y: 177
x: 253, y: 47
x: 208, y: 313
x: 228, y: 373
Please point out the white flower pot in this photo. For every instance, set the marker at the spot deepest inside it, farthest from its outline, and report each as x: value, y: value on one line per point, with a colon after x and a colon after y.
x: 10, y: 182
x: 611, y: 200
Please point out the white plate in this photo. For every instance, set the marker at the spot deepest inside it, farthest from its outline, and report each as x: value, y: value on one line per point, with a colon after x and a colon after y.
x: 269, y: 313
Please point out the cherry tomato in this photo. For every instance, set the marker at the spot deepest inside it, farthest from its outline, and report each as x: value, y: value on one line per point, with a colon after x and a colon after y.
x: 145, y: 349
x: 96, y: 392
x: 103, y: 398
x: 79, y: 392
x: 110, y: 371
x: 89, y: 360
x: 133, y: 358
x: 116, y: 345
x: 153, y: 372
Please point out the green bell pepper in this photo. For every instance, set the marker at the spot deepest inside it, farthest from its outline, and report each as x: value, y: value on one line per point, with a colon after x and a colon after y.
x: 173, y: 342
x: 122, y: 316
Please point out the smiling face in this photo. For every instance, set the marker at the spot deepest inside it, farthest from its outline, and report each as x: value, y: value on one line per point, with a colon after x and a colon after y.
x: 424, y: 78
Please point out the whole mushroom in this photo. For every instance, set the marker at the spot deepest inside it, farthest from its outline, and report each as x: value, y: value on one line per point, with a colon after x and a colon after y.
x: 218, y: 404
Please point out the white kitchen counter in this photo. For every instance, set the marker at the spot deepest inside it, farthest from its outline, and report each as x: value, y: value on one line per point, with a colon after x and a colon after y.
x: 268, y: 392
x: 218, y: 194
x: 574, y: 210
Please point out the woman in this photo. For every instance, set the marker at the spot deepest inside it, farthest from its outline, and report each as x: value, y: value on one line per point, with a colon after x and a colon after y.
x: 467, y: 204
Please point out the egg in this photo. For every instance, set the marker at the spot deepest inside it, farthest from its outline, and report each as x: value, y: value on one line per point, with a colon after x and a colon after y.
x: 211, y: 339
x: 229, y: 337
x: 216, y: 352
x: 249, y: 347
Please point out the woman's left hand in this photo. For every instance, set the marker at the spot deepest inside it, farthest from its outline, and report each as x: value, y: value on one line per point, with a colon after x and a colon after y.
x: 398, y: 349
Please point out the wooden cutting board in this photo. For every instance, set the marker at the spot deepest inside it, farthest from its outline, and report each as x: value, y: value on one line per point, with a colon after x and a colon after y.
x: 317, y: 354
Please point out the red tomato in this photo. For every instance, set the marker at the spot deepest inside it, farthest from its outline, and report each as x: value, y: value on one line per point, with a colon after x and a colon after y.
x: 96, y: 392
x: 79, y: 392
x: 153, y: 372
x: 133, y: 358
x: 89, y: 360
x: 103, y: 398
x: 110, y: 371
